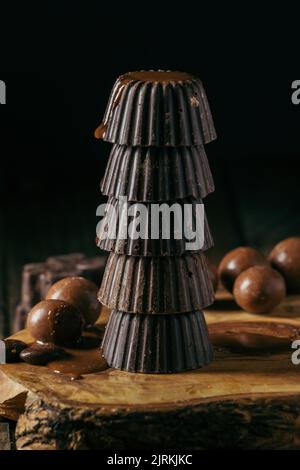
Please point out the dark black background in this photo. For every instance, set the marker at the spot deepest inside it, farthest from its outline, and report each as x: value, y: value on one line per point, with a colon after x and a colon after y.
x: 60, y: 61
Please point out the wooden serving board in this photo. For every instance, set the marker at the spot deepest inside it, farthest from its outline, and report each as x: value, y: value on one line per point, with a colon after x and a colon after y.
x: 238, y: 401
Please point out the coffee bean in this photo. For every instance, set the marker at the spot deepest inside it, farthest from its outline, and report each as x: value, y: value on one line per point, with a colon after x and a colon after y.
x: 40, y: 354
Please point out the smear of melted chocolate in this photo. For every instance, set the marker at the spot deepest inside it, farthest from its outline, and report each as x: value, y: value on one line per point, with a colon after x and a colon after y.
x: 86, y: 358
x: 253, y: 337
x: 100, y: 131
x: 156, y: 76
x: 159, y: 76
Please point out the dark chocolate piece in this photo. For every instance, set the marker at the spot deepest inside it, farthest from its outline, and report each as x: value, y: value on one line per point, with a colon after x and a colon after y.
x: 236, y: 261
x: 55, y: 321
x: 156, y: 285
x: 37, y: 278
x: 13, y: 348
x: 157, y: 108
x: 156, y: 343
x: 151, y: 174
x: 212, y: 273
x: 285, y: 258
x: 259, y: 289
x: 79, y: 292
x: 150, y: 246
x: 40, y: 354
x: 64, y: 262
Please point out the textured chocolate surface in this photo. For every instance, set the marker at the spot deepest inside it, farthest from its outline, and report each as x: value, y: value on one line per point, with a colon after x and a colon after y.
x: 157, y: 343
x: 157, y: 173
x: 156, y: 284
x: 212, y: 273
x: 171, y: 246
x: 154, y: 110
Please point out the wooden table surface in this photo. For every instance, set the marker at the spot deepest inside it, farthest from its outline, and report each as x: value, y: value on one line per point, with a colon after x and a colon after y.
x: 258, y: 394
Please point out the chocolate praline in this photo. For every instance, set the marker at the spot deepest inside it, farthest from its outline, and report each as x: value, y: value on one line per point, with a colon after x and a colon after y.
x: 259, y: 289
x: 285, y: 258
x: 237, y: 261
x: 55, y: 321
x: 79, y: 292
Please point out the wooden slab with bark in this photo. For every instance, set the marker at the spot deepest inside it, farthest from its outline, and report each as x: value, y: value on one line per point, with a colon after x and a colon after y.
x: 238, y: 401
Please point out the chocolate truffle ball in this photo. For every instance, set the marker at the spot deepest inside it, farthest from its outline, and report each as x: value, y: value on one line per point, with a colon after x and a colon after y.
x: 55, y: 321
x: 79, y: 292
x: 259, y: 289
x: 212, y: 273
x: 285, y: 258
x: 237, y: 261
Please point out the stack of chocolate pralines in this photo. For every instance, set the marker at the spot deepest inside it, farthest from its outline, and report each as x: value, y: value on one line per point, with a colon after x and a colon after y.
x: 157, y: 288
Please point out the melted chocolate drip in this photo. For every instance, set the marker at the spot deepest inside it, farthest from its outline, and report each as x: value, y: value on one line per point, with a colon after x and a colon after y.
x: 156, y: 76
x: 100, y: 131
x: 86, y: 358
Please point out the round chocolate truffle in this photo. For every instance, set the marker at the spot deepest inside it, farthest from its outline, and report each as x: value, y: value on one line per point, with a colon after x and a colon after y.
x: 285, y: 258
x: 259, y: 289
x: 55, y: 321
x: 237, y: 261
x: 79, y: 292
x: 212, y: 273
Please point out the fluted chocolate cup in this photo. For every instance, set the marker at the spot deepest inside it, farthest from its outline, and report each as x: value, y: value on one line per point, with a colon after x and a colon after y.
x: 152, y: 174
x: 157, y: 108
x: 182, y: 215
x: 157, y: 343
x: 153, y: 285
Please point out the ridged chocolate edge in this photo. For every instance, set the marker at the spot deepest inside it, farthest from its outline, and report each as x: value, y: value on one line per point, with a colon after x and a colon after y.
x: 146, y: 113
x: 157, y: 174
x: 147, y: 247
x: 153, y: 285
x: 157, y: 343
